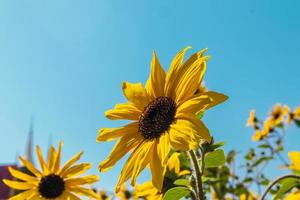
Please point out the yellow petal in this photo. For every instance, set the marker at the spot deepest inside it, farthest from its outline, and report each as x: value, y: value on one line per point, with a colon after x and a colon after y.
x: 58, y: 158
x: 181, y: 140
x: 157, y: 171
x: 19, y: 185
x: 81, y: 180
x: 174, y: 72
x: 22, y: 176
x: 156, y: 81
x: 130, y: 168
x: 146, y: 189
x: 163, y: 148
x: 142, y: 159
x: 193, y: 105
x: 174, y: 163
x: 190, y: 81
x: 198, y: 128
x: 108, y: 134
x: 84, y: 192
x: 185, y: 134
x: 25, y: 195
x: 30, y: 167
x: 123, y: 146
x: 295, y: 160
x: 70, y: 162
x: 76, y: 170
x: 216, y: 98
x: 126, y: 111
x: 136, y: 94
x: 42, y: 162
x: 51, y: 159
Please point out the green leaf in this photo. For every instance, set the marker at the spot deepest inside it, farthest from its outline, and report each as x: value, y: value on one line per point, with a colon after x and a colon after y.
x: 176, y: 193
x: 286, y: 186
x: 182, y: 182
x: 212, y: 147
x: 261, y: 160
x: 264, y: 146
x: 297, y: 122
x: 214, y: 159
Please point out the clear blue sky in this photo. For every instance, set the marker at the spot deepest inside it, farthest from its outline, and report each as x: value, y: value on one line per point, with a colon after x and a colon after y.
x: 63, y: 63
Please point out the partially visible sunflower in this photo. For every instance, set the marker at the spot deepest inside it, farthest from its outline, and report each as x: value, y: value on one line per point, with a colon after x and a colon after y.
x: 125, y: 194
x: 295, y: 160
x: 252, y: 120
x: 102, y: 195
x: 164, y: 115
x: 147, y: 191
x: 264, y: 132
x: 249, y: 196
x: 292, y: 115
x: 52, y: 181
x: 277, y: 115
x: 293, y: 196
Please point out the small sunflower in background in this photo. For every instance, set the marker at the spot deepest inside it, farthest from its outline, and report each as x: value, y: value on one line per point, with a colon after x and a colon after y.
x: 277, y: 114
x: 293, y: 196
x: 164, y: 117
x: 52, y: 181
x: 101, y: 195
x: 253, y: 120
x: 292, y: 115
x: 262, y: 133
x: 148, y: 192
x: 125, y: 194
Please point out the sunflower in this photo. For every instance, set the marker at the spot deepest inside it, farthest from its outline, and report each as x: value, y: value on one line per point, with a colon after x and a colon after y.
x: 147, y: 191
x: 101, y: 195
x: 164, y: 116
x: 264, y: 132
x: 125, y: 194
x: 292, y: 115
x: 277, y: 115
x: 293, y: 196
x: 295, y: 160
x: 252, y: 120
x: 52, y: 181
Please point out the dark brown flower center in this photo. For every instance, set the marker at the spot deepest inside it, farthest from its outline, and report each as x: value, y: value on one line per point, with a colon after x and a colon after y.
x: 157, y: 117
x: 51, y: 186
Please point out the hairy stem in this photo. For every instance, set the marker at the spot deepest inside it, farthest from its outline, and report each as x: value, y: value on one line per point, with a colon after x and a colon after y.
x: 275, y: 182
x: 198, y: 174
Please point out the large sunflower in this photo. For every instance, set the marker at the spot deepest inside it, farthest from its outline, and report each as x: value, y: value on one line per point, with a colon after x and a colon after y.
x: 52, y: 181
x: 164, y: 115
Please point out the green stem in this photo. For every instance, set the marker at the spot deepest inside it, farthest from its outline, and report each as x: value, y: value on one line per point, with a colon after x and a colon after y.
x: 275, y: 182
x: 198, y: 174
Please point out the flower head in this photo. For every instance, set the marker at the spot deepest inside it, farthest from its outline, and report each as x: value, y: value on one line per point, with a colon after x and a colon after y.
x: 252, y: 120
x: 264, y: 132
x: 293, y: 196
x: 277, y: 115
x: 292, y: 115
x: 164, y: 116
x: 52, y: 181
x: 147, y: 191
x: 124, y: 193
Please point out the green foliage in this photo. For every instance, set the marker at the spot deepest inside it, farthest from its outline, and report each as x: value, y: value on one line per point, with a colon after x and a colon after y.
x: 214, y: 158
x: 176, y: 193
x: 182, y: 182
x: 286, y: 186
